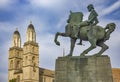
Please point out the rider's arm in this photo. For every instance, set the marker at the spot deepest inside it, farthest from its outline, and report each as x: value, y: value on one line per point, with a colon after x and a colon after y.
x: 96, y: 21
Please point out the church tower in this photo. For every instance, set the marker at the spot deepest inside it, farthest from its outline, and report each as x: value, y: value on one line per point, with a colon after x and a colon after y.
x: 15, y: 58
x: 30, y: 56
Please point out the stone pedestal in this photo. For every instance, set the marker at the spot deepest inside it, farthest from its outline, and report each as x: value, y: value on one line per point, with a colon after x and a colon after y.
x: 85, y: 69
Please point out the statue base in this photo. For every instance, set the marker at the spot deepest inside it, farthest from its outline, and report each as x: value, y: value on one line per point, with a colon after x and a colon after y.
x: 83, y: 69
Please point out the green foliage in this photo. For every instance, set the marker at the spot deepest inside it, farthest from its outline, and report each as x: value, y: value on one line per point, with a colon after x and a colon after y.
x: 12, y: 80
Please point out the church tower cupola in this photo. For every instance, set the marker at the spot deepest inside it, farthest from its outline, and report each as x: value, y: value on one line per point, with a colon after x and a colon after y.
x: 31, y: 56
x: 31, y: 34
x: 16, y: 40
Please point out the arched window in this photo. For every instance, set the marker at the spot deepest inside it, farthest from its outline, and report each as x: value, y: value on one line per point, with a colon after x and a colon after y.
x: 32, y: 49
x: 18, y: 65
x: 18, y: 54
x: 44, y: 79
x: 30, y: 35
x: 53, y: 80
x: 33, y: 62
x: 34, y: 67
x: 18, y: 78
x: 26, y: 60
x: 33, y: 59
x: 26, y: 50
x: 34, y: 37
x: 11, y: 64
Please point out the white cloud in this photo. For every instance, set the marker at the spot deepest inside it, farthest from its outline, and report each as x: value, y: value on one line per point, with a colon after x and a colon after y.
x: 48, y: 50
x: 6, y: 27
x: 6, y: 3
x: 47, y: 3
x: 3, y: 77
x: 111, y: 8
x: 4, y: 61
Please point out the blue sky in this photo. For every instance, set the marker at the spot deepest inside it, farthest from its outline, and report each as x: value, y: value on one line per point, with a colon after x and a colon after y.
x: 49, y: 17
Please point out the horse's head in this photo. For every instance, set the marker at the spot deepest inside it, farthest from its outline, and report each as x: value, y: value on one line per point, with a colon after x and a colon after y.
x: 75, y: 17
x: 111, y: 26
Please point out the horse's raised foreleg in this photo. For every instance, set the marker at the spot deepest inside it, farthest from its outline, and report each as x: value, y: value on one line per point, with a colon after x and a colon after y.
x: 72, y: 46
x: 55, y: 40
x: 56, y: 37
x: 104, y: 48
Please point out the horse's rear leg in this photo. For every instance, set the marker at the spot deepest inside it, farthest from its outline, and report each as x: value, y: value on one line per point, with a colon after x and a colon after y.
x: 93, y: 45
x: 104, y: 48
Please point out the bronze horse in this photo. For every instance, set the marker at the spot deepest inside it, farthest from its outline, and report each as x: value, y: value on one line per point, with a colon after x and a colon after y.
x: 97, y: 36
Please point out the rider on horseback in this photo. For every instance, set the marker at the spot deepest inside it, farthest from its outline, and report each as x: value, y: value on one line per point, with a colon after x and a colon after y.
x: 92, y: 20
x: 87, y: 31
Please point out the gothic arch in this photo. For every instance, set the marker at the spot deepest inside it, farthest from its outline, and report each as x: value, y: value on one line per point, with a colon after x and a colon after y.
x: 33, y: 59
x: 18, y: 78
x: 18, y: 64
x: 26, y: 60
x: 11, y: 64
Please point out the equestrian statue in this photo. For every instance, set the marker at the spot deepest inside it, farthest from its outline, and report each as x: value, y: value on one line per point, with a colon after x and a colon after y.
x: 86, y: 31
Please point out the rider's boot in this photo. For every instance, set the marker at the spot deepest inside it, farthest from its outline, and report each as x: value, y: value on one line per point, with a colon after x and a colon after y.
x: 80, y: 43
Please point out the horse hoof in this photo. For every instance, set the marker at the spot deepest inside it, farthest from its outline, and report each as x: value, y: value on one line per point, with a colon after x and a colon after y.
x: 82, y: 55
x: 58, y: 43
x: 96, y: 55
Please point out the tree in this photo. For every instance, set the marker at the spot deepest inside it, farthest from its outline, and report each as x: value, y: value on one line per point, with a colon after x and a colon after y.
x: 12, y: 80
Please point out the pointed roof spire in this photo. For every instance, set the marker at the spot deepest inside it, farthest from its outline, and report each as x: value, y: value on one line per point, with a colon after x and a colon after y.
x: 16, y: 39
x: 16, y: 29
x: 30, y: 26
x: 30, y: 22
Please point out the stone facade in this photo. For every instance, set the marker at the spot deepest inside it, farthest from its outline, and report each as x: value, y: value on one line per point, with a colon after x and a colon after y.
x: 86, y: 69
x: 24, y: 62
x: 116, y: 74
x: 46, y: 75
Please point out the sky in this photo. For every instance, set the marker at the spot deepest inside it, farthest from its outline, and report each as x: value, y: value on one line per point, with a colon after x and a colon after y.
x: 49, y: 17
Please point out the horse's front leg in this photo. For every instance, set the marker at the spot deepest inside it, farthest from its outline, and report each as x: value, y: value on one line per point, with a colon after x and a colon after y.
x: 59, y: 34
x: 73, y: 40
x: 55, y: 40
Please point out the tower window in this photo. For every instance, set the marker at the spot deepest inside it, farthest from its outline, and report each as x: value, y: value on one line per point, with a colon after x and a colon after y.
x: 26, y: 60
x: 18, y: 65
x: 11, y: 64
x: 32, y: 49
x: 18, y: 54
x: 44, y: 80
x: 53, y: 80
x: 34, y: 67
x: 18, y: 78
x: 33, y: 59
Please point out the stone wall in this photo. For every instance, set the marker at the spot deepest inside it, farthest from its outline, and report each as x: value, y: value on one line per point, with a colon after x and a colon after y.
x: 85, y: 69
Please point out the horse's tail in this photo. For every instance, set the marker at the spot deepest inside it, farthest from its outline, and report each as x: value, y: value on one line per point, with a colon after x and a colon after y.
x: 108, y: 30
